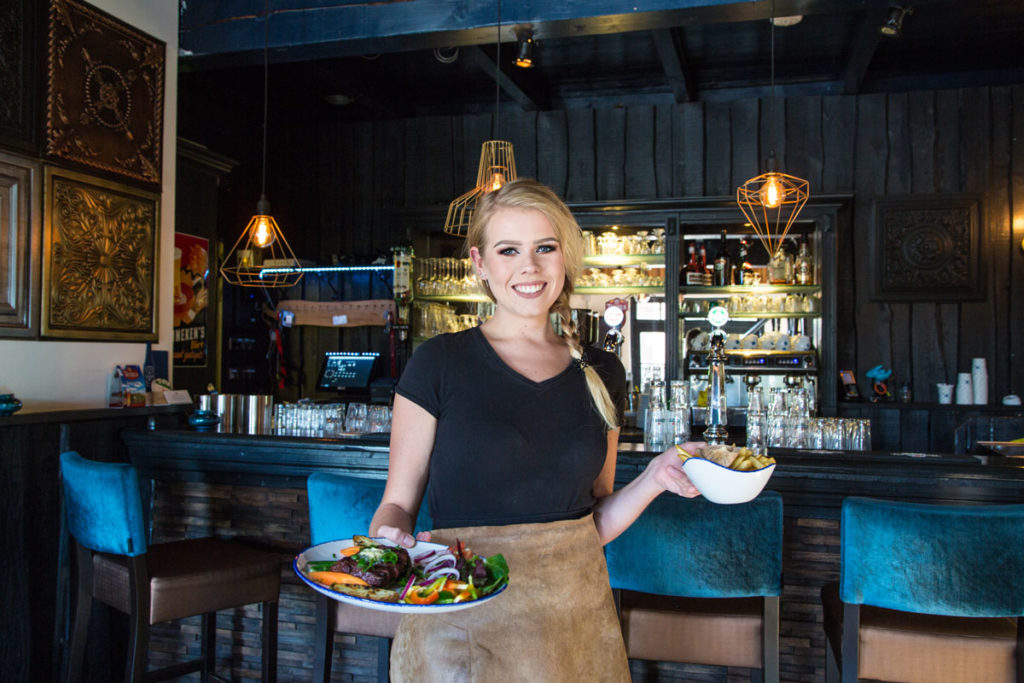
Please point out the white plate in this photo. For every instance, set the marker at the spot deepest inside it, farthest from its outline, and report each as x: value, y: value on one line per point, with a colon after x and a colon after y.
x: 332, y: 551
x: 720, y: 484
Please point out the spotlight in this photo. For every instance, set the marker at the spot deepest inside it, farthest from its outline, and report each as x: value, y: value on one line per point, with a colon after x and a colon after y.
x: 524, y: 53
x: 893, y: 25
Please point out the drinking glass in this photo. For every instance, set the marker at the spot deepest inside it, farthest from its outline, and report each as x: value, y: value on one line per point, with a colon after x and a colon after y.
x: 832, y: 434
x: 757, y: 432
x: 356, y: 418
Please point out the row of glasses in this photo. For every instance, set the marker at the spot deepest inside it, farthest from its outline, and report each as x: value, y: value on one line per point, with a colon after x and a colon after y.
x: 445, y: 276
x: 640, y: 275
x: 306, y: 418
x: 611, y: 243
x: 772, y: 303
x: 363, y: 418
x: 799, y: 431
x: 433, y: 318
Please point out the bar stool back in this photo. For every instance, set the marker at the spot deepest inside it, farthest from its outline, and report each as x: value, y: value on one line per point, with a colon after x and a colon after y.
x: 117, y: 566
x: 339, y: 507
x: 927, y: 593
x: 700, y: 583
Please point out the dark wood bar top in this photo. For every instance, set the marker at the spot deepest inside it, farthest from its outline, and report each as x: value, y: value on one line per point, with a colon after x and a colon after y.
x: 813, y: 483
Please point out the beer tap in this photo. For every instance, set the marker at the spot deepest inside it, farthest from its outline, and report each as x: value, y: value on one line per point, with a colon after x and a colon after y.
x: 718, y: 416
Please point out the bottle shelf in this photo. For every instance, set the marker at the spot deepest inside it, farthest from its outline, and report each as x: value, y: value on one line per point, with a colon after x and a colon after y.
x: 623, y: 289
x: 465, y: 298
x: 713, y: 291
x: 753, y: 315
x: 610, y: 260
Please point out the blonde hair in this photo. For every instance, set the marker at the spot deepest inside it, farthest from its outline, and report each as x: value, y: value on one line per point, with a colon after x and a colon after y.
x: 526, y: 193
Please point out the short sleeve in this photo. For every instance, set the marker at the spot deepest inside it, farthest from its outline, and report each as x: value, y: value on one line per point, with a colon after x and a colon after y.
x: 421, y: 380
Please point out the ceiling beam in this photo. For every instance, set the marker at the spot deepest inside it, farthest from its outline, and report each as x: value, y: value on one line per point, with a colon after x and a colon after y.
x: 529, y: 101
x: 861, y: 53
x: 678, y: 72
x: 231, y: 32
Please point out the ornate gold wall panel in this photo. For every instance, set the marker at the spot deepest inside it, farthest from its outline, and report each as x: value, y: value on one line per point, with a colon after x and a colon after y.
x: 104, y: 93
x: 100, y: 255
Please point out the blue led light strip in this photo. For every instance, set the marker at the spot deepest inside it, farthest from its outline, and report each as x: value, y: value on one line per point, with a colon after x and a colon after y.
x: 323, y: 269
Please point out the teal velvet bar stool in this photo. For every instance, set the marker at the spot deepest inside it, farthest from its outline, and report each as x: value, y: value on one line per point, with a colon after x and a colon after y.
x: 155, y: 583
x: 700, y: 583
x: 927, y: 593
x: 340, y: 507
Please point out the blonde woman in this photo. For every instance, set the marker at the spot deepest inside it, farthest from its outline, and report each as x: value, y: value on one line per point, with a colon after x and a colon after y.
x: 516, y: 429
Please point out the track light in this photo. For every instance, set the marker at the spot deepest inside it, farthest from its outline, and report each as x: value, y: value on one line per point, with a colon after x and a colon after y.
x: 893, y: 25
x: 524, y: 53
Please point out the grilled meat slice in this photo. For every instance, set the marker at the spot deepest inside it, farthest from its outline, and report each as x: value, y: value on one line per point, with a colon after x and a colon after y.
x: 377, y: 565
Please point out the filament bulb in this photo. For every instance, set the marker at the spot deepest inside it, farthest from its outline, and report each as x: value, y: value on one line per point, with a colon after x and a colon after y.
x: 772, y: 192
x: 262, y: 232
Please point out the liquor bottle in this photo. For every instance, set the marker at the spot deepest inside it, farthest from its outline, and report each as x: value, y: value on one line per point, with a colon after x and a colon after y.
x: 804, y: 266
x: 703, y: 256
x: 743, y: 269
x: 692, y: 273
x: 780, y: 267
x: 402, y: 286
x: 721, y: 275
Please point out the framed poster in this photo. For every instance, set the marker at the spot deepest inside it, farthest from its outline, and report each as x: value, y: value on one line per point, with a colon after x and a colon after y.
x: 104, y: 93
x: 100, y: 242
x: 191, y: 298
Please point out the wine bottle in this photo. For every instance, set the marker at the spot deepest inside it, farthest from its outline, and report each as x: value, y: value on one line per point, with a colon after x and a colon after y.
x: 804, y: 266
x: 721, y: 275
x: 743, y: 269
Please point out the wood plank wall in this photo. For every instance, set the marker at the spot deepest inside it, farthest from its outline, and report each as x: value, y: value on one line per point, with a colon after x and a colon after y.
x: 342, y: 182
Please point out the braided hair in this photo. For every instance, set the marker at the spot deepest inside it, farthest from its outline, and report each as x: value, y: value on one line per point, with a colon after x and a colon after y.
x: 526, y: 193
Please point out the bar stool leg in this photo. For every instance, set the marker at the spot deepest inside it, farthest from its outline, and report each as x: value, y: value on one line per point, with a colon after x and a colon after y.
x: 269, y: 657
x: 383, y: 660
x: 83, y: 612
x: 208, y: 646
x: 323, y: 648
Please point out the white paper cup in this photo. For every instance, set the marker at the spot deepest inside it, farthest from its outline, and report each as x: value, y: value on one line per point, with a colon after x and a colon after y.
x: 945, y: 392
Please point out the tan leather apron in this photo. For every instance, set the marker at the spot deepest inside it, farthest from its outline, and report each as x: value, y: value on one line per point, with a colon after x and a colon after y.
x: 555, y: 622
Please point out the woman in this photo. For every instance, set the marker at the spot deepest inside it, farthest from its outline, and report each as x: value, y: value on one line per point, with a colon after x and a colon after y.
x: 516, y: 430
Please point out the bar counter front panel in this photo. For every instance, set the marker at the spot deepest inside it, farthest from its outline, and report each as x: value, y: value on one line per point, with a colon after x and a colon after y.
x: 253, y: 487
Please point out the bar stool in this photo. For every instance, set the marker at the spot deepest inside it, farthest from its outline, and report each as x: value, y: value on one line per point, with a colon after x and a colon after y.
x: 339, y: 507
x: 927, y: 593
x: 700, y: 583
x: 156, y: 583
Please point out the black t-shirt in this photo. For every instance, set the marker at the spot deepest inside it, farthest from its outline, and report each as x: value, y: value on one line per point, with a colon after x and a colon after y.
x: 508, y: 450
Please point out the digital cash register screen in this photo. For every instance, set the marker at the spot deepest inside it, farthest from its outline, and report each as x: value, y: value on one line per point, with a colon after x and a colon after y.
x: 344, y: 370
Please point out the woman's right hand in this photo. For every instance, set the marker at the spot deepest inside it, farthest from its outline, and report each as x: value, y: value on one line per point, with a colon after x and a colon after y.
x: 402, y: 537
x: 667, y: 471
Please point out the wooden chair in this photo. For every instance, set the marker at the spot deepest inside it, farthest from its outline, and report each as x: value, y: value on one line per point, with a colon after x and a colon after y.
x: 339, y: 507
x: 116, y: 565
x: 927, y: 593
x: 700, y: 583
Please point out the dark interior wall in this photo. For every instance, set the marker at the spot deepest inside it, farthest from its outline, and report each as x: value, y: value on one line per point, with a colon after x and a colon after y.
x: 336, y: 186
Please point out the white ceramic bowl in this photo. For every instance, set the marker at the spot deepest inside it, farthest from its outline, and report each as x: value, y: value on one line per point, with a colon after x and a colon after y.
x: 720, y: 484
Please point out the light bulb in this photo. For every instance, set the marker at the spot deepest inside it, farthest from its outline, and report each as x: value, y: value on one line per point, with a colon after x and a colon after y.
x: 262, y: 233
x: 772, y: 193
x: 497, y: 180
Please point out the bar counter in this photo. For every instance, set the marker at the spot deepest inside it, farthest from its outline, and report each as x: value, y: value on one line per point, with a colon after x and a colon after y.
x: 253, y: 487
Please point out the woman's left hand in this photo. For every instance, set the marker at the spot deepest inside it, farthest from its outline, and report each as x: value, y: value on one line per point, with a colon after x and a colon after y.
x: 667, y: 471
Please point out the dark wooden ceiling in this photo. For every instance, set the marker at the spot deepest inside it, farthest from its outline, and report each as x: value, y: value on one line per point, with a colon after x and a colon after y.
x: 388, y: 59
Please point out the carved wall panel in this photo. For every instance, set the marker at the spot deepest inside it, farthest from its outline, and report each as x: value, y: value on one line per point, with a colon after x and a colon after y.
x: 104, y: 99
x: 19, y: 47
x: 99, y: 259
x: 927, y: 248
x: 19, y: 246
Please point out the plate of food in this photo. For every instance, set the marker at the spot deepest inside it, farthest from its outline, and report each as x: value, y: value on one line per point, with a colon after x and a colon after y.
x: 727, y: 474
x: 1013, y: 448
x: 375, y: 573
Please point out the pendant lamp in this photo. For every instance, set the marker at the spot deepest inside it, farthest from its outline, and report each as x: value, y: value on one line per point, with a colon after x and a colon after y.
x: 772, y: 201
x: 497, y: 164
x: 261, y: 256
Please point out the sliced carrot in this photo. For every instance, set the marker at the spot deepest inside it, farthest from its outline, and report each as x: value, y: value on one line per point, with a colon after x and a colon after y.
x: 331, y: 578
x: 348, y: 552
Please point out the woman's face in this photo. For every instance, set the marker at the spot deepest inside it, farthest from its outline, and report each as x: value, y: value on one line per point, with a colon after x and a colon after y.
x: 521, y: 261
